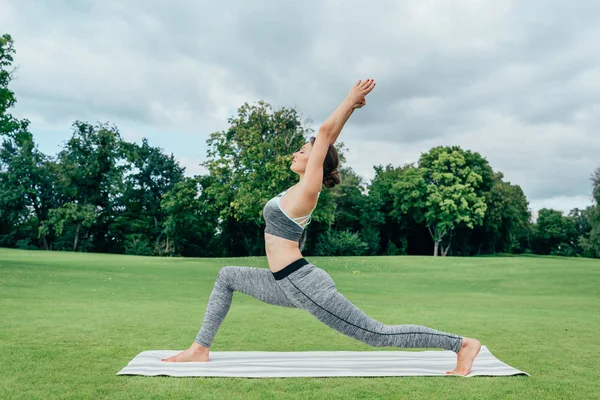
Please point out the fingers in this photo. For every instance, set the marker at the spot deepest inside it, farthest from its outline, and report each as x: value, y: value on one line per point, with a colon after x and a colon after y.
x: 367, y: 86
x: 361, y: 89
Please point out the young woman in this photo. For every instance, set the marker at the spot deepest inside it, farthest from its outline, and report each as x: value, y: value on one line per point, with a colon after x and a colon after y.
x: 292, y: 281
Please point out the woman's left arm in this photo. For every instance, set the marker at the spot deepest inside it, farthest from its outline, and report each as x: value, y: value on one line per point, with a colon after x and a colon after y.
x: 332, y: 127
x: 328, y: 133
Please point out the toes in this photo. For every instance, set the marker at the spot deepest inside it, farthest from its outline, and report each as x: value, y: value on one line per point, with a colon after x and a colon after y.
x: 455, y: 372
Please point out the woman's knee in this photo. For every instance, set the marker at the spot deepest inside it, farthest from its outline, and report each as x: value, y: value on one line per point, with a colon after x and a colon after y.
x: 225, y: 274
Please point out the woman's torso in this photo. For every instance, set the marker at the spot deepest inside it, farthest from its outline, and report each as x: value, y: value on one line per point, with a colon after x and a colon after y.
x: 288, y: 205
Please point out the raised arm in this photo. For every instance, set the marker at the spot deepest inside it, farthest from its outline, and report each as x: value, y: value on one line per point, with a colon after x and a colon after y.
x: 329, y: 132
x: 333, y: 125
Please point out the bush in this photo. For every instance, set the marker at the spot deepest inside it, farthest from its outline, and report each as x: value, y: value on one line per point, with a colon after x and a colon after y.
x: 137, y: 244
x: 370, y: 235
x: 344, y: 243
x: 393, y: 250
x: 25, y: 244
x: 563, y: 249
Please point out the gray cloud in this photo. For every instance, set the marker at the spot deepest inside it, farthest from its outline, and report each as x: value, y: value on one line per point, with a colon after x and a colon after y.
x: 517, y: 81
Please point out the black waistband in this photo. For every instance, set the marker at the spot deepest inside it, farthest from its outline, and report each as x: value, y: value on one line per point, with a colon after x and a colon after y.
x: 296, y: 265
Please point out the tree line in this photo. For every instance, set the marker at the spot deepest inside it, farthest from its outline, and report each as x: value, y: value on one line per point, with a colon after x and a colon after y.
x: 101, y: 193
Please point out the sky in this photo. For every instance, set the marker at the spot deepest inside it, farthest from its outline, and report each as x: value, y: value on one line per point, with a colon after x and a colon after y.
x: 516, y: 81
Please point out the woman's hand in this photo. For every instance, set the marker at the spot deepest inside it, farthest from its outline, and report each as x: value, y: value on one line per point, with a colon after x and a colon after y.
x: 359, y: 91
x: 360, y: 104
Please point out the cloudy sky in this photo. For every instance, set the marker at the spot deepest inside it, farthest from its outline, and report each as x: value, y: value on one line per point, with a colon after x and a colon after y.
x: 517, y: 81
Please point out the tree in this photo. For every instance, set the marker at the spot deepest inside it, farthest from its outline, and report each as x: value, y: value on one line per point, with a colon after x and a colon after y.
x: 392, y: 231
x: 596, y: 186
x: 76, y: 215
x: 151, y: 175
x: 89, y: 178
x: 26, y: 181
x: 7, y: 97
x: 590, y: 243
x: 442, y: 193
x: 355, y: 211
x: 555, y: 233
x: 507, y: 216
x: 11, y: 202
x: 190, y: 226
x: 581, y: 219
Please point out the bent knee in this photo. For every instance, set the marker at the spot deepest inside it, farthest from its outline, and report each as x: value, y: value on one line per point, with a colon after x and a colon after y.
x: 225, y: 273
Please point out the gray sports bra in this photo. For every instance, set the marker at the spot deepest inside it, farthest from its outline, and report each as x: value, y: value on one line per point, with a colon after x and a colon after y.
x: 280, y: 224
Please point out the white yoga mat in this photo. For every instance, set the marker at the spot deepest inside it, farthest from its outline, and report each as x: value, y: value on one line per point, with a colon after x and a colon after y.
x: 273, y: 364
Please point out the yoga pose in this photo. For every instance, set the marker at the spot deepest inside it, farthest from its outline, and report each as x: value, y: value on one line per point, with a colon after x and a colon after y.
x: 292, y: 281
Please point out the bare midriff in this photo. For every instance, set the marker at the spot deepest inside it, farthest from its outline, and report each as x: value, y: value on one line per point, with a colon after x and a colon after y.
x: 280, y: 252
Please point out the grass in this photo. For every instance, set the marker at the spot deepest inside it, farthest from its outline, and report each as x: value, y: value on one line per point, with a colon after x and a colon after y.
x: 70, y: 321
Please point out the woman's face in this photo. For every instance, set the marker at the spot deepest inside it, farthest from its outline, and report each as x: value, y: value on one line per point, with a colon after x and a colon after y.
x: 301, y: 158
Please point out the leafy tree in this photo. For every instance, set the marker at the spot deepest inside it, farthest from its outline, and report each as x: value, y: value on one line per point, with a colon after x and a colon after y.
x: 26, y: 181
x: 506, y: 220
x: 189, y: 225
x: 7, y: 97
x: 442, y: 194
x: 355, y: 211
x: 151, y: 175
x: 590, y: 243
x: 391, y: 231
x: 11, y: 201
x: 596, y: 186
x: 75, y: 215
x: 555, y: 233
x: 89, y: 178
x: 582, y: 220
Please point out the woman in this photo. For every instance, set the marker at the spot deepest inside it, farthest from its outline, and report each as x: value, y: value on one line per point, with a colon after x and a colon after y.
x: 293, y: 282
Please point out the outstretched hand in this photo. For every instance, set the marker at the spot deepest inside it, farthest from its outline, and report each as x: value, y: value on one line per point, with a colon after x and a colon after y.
x: 359, y: 91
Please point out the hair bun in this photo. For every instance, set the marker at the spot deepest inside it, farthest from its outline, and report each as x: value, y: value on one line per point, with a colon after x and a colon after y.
x: 332, y: 178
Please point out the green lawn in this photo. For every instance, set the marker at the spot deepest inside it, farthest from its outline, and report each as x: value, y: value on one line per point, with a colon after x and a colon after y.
x: 70, y: 321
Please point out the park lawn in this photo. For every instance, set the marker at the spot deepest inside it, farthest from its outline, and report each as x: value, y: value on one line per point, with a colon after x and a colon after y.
x: 70, y: 321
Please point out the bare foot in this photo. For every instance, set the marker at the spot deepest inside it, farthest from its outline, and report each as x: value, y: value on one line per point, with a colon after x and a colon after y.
x: 465, y: 357
x: 195, y: 353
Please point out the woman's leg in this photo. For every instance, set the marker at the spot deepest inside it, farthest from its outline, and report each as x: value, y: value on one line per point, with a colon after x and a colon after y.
x: 256, y: 282
x: 313, y: 290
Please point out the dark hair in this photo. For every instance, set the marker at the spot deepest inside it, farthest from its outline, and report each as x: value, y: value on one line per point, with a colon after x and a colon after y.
x: 331, y: 175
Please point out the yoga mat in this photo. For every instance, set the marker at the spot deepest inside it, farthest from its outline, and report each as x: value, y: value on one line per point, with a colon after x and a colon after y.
x: 272, y: 364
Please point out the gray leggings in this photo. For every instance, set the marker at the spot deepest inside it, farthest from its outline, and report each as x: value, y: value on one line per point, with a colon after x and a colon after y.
x: 306, y: 286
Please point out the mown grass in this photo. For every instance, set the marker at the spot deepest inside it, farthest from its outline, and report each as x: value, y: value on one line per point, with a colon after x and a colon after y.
x: 70, y: 321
